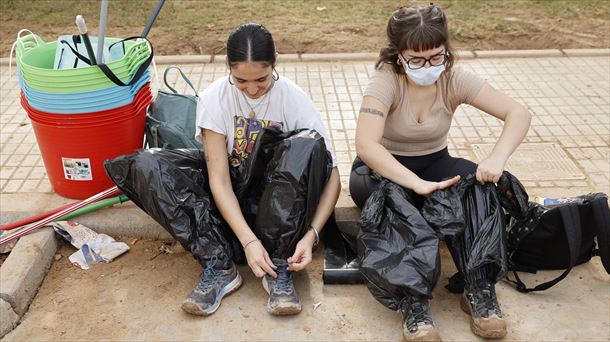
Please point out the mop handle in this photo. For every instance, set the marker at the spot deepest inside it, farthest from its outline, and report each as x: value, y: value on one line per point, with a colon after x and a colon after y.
x: 35, y: 218
x: 153, y: 17
x: 106, y: 193
x: 102, y: 31
x: 82, y: 28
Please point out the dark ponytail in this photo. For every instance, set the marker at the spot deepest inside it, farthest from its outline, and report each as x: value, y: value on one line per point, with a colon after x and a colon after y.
x: 250, y: 43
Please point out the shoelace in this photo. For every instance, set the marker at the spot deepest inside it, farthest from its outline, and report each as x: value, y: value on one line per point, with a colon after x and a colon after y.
x: 483, y: 297
x: 209, y: 277
x: 415, y: 311
x: 283, y: 282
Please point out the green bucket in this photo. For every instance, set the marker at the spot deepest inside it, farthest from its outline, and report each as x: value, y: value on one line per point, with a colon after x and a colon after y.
x: 35, y: 59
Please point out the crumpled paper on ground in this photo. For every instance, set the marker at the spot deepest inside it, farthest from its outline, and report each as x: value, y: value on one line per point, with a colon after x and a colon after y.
x: 93, y: 247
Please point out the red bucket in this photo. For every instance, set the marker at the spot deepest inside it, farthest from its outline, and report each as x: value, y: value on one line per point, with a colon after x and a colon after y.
x: 74, y: 155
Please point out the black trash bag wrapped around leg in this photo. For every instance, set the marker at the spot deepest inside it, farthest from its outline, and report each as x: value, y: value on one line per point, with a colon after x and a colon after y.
x: 472, y: 220
x: 398, y: 249
x: 172, y: 187
x: 293, y: 182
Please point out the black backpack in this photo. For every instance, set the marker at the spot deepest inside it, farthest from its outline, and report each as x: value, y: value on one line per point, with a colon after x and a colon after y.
x: 553, y: 237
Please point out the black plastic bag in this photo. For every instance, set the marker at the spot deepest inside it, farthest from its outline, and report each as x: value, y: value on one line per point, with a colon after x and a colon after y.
x: 398, y: 244
x: 470, y: 217
x: 172, y: 187
x: 397, y: 248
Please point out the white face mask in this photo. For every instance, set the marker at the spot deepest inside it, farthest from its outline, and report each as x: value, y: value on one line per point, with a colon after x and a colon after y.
x: 424, y: 76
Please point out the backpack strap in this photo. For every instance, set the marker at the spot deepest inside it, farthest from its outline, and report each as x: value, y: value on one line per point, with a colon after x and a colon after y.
x: 601, y: 213
x: 136, y: 76
x: 571, y: 224
x: 183, y: 77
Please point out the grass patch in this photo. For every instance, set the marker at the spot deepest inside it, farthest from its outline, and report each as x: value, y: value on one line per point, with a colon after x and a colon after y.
x: 195, y: 27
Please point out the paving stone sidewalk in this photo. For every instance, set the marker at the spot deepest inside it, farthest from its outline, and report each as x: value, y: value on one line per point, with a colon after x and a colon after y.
x: 565, y: 152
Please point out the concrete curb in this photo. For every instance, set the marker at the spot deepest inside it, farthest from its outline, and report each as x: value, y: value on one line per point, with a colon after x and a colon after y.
x: 129, y: 221
x: 22, y: 273
x: 518, y: 53
x: 8, y: 318
x: 366, y: 56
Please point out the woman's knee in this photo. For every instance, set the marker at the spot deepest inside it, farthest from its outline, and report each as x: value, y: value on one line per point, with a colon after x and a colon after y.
x: 361, y: 185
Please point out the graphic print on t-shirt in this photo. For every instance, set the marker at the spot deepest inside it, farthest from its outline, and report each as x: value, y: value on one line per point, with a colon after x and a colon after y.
x: 246, y: 132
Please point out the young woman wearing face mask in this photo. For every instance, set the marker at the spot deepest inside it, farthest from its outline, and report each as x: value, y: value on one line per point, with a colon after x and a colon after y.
x: 401, y: 134
x: 231, y: 115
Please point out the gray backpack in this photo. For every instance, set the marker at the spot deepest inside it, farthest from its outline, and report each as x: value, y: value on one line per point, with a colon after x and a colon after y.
x: 170, y: 122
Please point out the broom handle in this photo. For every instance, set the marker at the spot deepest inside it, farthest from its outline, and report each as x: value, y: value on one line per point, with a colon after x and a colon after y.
x: 102, y: 31
x: 75, y: 206
x: 153, y: 17
x: 34, y: 218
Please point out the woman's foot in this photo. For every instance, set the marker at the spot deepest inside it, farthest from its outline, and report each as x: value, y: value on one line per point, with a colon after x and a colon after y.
x: 283, y: 299
x: 213, y: 285
x: 417, y: 321
x: 479, y: 300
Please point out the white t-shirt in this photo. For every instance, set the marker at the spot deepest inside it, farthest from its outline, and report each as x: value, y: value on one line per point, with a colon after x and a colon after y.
x: 222, y: 108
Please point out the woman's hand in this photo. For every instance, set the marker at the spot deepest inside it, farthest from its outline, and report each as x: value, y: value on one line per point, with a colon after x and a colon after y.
x: 426, y: 188
x: 258, y: 260
x: 302, y: 253
x: 490, y: 170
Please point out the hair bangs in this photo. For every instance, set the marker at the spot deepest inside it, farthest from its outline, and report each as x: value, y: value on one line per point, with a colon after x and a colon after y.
x: 423, y: 38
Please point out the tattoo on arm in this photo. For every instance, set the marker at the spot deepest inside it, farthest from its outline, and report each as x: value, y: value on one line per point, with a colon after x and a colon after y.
x: 371, y: 111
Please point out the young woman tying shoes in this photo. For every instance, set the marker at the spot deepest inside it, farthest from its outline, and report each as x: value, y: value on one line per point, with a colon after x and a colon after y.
x: 260, y: 191
x: 231, y: 115
x: 401, y: 134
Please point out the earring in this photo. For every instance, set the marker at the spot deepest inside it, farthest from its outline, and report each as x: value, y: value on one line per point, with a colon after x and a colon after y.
x: 230, y: 79
x: 275, y: 75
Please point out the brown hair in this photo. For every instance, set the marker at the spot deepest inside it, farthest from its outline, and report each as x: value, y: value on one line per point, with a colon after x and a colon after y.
x: 417, y: 28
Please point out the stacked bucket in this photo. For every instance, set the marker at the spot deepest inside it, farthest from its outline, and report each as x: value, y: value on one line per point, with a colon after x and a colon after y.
x: 80, y: 117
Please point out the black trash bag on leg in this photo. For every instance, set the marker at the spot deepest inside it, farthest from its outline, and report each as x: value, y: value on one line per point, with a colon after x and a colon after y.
x: 397, y: 248
x: 472, y: 220
x: 172, y: 187
x: 293, y: 182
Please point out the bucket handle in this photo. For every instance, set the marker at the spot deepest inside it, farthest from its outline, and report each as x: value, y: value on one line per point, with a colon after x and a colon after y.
x: 27, y: 43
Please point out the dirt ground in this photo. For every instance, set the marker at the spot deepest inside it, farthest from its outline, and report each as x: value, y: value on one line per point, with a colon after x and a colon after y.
x: 201, y: 27
x: 138, y: 297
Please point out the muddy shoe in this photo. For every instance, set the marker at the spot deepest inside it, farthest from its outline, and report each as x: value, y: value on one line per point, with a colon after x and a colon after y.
x: 213, y: 286
x: 283, y: 299
x: 486, y: 320
x: 417, y: 321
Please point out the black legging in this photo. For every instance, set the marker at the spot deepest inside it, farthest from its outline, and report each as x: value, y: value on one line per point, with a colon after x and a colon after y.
x: 433, y: 167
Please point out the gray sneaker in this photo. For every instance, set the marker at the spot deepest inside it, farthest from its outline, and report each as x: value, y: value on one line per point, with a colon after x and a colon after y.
x: 213, y: 286
x: 283, y: 299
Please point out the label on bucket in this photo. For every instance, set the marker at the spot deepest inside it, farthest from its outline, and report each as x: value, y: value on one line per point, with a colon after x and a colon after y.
x: 77, y: 169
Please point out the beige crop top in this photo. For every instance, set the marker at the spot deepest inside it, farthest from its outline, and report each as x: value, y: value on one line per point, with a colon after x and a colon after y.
x: 403, y: 135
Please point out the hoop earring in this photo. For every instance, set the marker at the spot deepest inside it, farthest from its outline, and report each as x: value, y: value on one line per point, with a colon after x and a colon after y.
x: 230, y: 79
x: 275, y: 75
